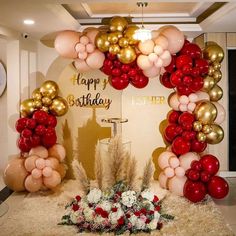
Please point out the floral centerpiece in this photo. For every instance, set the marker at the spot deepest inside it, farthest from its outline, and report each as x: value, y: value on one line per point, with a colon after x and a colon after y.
x: 118, y: 208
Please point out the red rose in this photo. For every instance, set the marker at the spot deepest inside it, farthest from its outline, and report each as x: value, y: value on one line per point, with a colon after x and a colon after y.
x: 121, y: 221
x: 157, y: 208
x: 99, y: 210
x: 75, y: 207
x: 104, y: 214
x: 155, y: 199
x: 143, y: 211
x: 147, y: 221
x: 114, y: 209
x: 151, y: 212
x: 78, y: 198
x: 137, y: 213
x: 127, y: 215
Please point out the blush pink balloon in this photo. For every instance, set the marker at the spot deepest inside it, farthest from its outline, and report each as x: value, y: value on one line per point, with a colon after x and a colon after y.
x: 220, y: 113
x: 53, y: 180
x: 173, y: 101
x: 91, y: 34
x: 82, y: 55
x: 84, y: 40
x: 90, y: 48
x: 179, y: 171
x: 158, y: 63
x: 32, y: 184
x: 40, y: 163
x: 30, y: 162
x: 52, y: 162
x: 191, y: 106
x: 57, y: 151
x: 36, y: 173
x: 176, y: 185
x: 144, y: 63
x: 146, y: 47
x: 158, y: 50
x: 81, y: 65
x: 162, y: 41
x: 193, y: 97
x: 152, y: 57
x: 169, y: 172
x: 202, y: 96
x: 163, y: 159
x: 183, y: 107
x: 65, y: 43
x: 173, y: 162
x: 151, y: 72
x: 155, y: 34
x: 163, y: 180
x: 183, y: 99
x: 39, y: 151
x: 79, y: 48
x: 47, y: 171
x: 187, y: 158
x: 166, y: 58
x: 95, y: 60
x: 175, y: 38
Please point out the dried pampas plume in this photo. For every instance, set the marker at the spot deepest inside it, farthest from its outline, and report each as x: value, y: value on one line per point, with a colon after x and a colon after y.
x: 98, y: 168
x: 131, y: 177
x: 147, y: 175
x: 81, y: 176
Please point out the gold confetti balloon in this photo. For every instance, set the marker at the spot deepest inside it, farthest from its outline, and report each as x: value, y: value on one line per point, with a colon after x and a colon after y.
x: 59, y: 106
x: 49, y: 89
x: 216, y: 93
x: 118, y: 23
x: 216, y: 135
x: 27, y: 107
x: 127, y: 55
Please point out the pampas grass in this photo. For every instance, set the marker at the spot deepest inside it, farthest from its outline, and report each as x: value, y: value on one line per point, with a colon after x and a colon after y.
x: 98, y: 168
x: 81, y: 176
x: 147, y: 175
x: 131, y: 178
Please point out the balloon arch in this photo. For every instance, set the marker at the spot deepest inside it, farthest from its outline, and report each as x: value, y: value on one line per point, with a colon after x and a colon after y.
x: 194, y: 120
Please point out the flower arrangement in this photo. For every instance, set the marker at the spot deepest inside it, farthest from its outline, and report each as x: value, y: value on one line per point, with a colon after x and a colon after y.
x: 116, y: 204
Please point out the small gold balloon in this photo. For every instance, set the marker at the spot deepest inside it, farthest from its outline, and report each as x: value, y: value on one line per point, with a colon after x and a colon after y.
x: 127, y: 55
x: 217, y: 75
x: 49, y: 89
x: 214, y: 53
x: 114, y: 49
x: 36, y: 95
x: 206, y: 129
x: 130, y: 34
x: 46, y: 101
x: 211, y: 70
x: 38, y: 104
x: 216, y: 65
x: 216, y: 93
x: 118, y: 23
x: 123, y: 42
x: 59, y: 106
x: 201, y: 137
x: 208, y: 84
x: 27, y: 107
x: 44, y: 108
x: 205, y: 112
x: 114, y: 37
x: 197, y: 126
x: 102, y: 42
x: 216, y: 135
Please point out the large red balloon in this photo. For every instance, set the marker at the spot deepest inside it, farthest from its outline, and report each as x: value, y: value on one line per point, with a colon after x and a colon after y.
x: 170, y: 68
x: 203, y: 66
x: 119, y: 83
x: 183, y: 60
x: 210, y: 164
x: 165, y: 80
x: 173, y: 116
x: 217, y: 187
x: 21, y: 124
x: 197, y: 146
x: 186, y: 117
x: 170, y: 132
x: 192, y: 50
x: 139, y: 81
x: 180, y: 146
x: 41, y: 117
x: 195, y: 191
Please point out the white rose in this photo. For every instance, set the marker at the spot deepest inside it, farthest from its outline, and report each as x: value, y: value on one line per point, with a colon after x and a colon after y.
x: 153, y: 224
x: 105, y: 205
x: 94, y: 195
x: 88, y: 213
x: 147, y: 195
x: 74, y: 217
x: 140, y: 224
x: 98, y: 220
x: 128, y: 198
x: 133, y: 219
x: 114, y: 216
x: 157, y: 215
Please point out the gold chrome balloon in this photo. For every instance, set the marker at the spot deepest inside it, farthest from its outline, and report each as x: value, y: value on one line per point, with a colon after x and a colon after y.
x: 59, y: 106
x: 123, y: 42
x: 211, y: 70
x: 130, y: 34
x: 216, y: 65
x: 27, y: 107
x: 102, y: 42
x: 217, y: 75
x: 216, y: 135
x: 208, y: 83
x: 127, y: 55
x: 114, y: 49
x: 38, y: 104
x: 201, y: 137
x: 216, y: 93
x: 118, y: 23
x: 44, y: 108
x: 36, y: 95
x: 206, y: 129
x: 46, y: 101
x: 114, y: 37
x: 205, y: 112
x: 197, y: 126
x: 49, y: 89
x: 214, y: 53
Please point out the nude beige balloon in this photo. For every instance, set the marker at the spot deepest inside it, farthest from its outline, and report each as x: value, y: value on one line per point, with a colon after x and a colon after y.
x: 32, y: 184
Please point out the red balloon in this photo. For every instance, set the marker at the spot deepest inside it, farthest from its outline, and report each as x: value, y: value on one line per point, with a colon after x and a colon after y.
x: 176, y: 78
x: 187, y: 80
x: 180, y: 146
x: 117, y: 63
x: 139, y: 81
x: 23, y: 145
x: 52, y: 121
x: 170, y: 132
x: 125, y: 68
x: 49, y: 140
x: 184, y: 90
x: 171, y: 67
x: 40, y: 117
x: 196, y: 165
x: 205, y: 176
x: 31, y: 123
x: 40, y: 130
x: 116, y: 72
x: 173, y: 116
x: 187, y: 69
x: 183, y: 60
x: 197, y: 84
x: 203, y: 66
x: 111, y: 56
x: 119, y: 83
x: 217, y: 187
x: 195, y: 72
x: 187, y: 126
x: 186, y: 117
x: 132, y: 73
x: 26, y: 133
x: 193, y: 175
x: 107, y: 70
x: 21, y: 124
x: 108, y: 62
x: 35, y: 140
x: 50, y: 131
x: 210, y: 164
x: 165, y: 80
x: 192, y: 50
x: 197, y: 146
x: 194, y: 191
x: 188, y: 135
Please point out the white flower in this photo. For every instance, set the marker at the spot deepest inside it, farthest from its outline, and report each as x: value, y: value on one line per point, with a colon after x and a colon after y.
x: 114, y: 216
x: 98, y: 219
x: 94, y: 195
x: 105, y: 205
x: 153, y: 224
x: 140, y: 224
x: 149, y: 204
x: 133, y: 219
x: 128, y: 198
x: 89, y: 214
x: 157, y: 215
x: 74, y: 216
x: 147, y: 195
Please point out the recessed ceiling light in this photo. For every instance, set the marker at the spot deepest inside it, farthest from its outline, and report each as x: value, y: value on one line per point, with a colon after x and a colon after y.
x: 28, y: 22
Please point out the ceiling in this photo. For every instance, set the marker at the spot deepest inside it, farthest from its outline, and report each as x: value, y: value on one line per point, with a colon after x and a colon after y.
x: 192, y: 16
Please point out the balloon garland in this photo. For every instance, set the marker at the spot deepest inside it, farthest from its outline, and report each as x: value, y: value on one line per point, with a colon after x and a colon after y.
x: 195, y: 119
x: 40, y: 165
